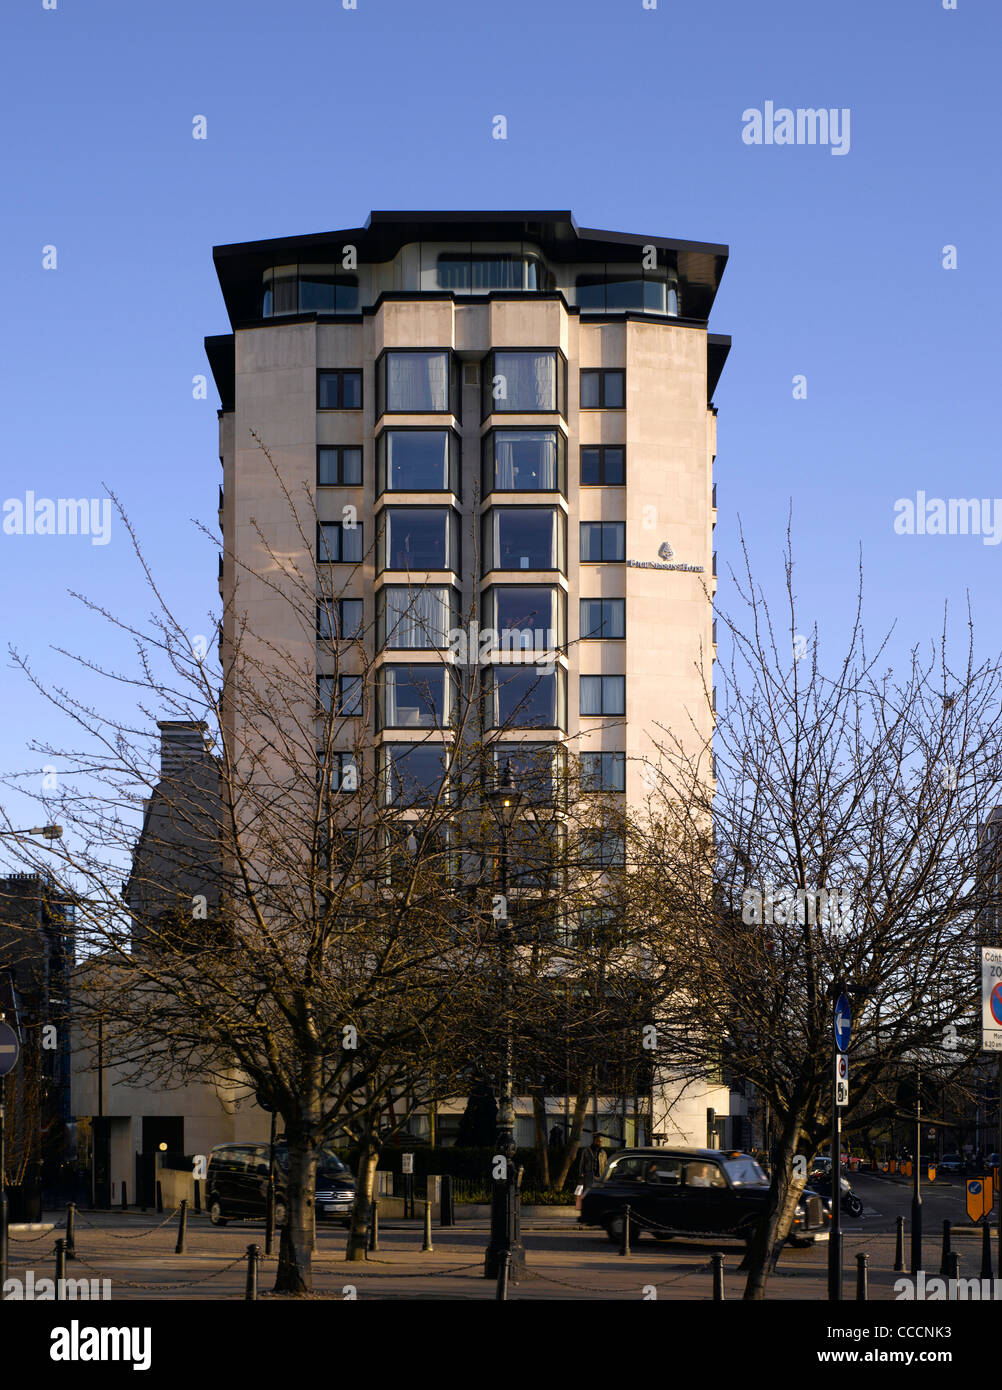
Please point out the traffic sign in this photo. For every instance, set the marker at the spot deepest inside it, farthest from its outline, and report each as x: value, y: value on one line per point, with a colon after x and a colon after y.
x: 407, y: 1163
x: 10, y: 1049
x: 991, y: 999
x: 843, y: 1023
x: 841, y: 1079
x: 980, y: 1198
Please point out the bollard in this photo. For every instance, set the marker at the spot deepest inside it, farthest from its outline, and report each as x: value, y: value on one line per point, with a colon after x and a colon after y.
x: 624, y: 1245
x: 71, y: 1231
x: 986, y: 1251
x: 447, y: 1216
x: 160, y: 1198
x: 250, y: 1293
x: 374, y: 1224
x: 269, y: 1219
x: 125, y: 1200
x: 953, y: 1271
x: 502, y: 1289
x: 861, y: 1263
x: 427, y: 1246
x: 198, y: 1198
x: 182, y: 1227
x: 899, y: 1246
x: 944, y: 1264
x: 60, y: 1268
x: 717, y: 1261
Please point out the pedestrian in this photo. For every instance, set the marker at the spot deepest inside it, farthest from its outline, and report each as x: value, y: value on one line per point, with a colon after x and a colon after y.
x: 593, y: 1163
x: 556, y: 1142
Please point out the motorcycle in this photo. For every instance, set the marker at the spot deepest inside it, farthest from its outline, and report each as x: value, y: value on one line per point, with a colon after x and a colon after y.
x: 820, y: 1181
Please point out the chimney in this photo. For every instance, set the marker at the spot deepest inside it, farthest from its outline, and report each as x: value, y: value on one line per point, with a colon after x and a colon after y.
x: 182, y: 745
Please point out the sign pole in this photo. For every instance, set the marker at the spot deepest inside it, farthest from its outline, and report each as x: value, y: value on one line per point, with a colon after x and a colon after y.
x: 841, y: 1031
x: 998, y: 1170
x: 917, y: 1183
x: 3, y: 1182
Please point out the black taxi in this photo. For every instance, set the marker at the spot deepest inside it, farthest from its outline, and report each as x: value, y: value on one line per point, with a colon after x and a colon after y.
x: 700, y: 1192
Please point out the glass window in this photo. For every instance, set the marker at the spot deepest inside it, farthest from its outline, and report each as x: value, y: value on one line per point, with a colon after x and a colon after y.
x: 603, y: 849
x: 603, y: 695
x: 327, y: 294
x: 603, y: 464
x: 341, y: 620
x: 349, y: 688
x: 415, y: 382
x: 524, y: 697
x: 627, y: 1170
x: 412, y: 773
x: 416, y: 618
x: 524, y: 461
x: 339, y: 467
x: 598, y: 926
x: 344, y: 772
x: 603, y: 772
x: 413, y: 697
x: 524, y: 382
x: 337, y: 542
x: 666, y: 1172
x: 647, y: 291
x: 523, y: 538
x: 699, y: 1173
x: 475, y: 273
x: 603, y: 617
x: 340, y: 390
x: 525, y: 617
x: 418, y: 538
x: 602, y: 541
x: 603, y: 389
x: 535, y: 768
x: 416, y: 461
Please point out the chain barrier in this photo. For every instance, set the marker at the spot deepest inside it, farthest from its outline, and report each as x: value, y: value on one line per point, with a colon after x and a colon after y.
x: 185, y: 1284
x: 28, y: 1240
x: 128, y: 1235
x: 595, y: 1288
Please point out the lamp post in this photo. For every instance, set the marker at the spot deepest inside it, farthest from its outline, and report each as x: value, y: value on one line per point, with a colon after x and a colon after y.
x: 505, y: 1244
x: 49, y: 832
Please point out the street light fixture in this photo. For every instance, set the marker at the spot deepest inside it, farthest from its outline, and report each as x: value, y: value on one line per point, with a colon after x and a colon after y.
x: 50, y: 832
x: 505, y: 1248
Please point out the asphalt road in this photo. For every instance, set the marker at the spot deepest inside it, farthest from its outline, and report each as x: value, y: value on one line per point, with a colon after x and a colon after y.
x: 885, y: 1198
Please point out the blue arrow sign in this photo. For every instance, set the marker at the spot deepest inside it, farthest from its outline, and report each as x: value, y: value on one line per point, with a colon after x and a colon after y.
x: 843, y: 1023
x: 10, y: 1049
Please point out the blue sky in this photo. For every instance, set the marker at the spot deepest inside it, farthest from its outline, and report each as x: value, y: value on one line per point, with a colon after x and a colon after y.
x: 630, y: 117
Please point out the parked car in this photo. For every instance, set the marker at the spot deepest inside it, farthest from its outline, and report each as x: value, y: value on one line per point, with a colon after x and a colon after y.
x: 237, y: 1183
x: 952, y: 1163
x: 706, y: 1192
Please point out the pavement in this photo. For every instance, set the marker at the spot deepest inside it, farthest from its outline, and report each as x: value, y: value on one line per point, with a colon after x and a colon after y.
x: 135, y: 1251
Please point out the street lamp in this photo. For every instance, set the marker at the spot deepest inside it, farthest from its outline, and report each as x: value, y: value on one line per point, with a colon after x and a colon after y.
x: 50, y: 832
x: 505, y: 1246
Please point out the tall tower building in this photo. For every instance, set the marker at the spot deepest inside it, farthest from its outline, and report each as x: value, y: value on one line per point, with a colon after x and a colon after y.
x: 516, y: 414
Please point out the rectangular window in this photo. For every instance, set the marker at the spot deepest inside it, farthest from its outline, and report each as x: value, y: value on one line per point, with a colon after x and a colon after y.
x: 603, y: 388
x: 339, y: 467
x: 526, y: 382
x: 649, y: 291
x: 524, y: 461
x: 415, y: 619
x: 340, y: 390
x: 418, y: 538
x: 603, y: 772
x: 603, y: 849
x: 413, y: 697
x: 417, y: 383
x: 603, y: 618
x: 349, y: 694
x: 339, y: 543
x: 523, y: 538
x: 603, y: 464
x: 411, y: 774
x: 525, y: 617
x: 344, y: 772
x: 417, y: 461
x: 525, y: 697
x: 599, y: 926
x: 603, y: 695
x: 602, y: 541
x: 339, y: 621
x: 536, y: 768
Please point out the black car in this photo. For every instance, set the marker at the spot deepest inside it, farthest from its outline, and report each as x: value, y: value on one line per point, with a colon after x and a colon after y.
x: 706, y: 1192
x: 237, y: 1183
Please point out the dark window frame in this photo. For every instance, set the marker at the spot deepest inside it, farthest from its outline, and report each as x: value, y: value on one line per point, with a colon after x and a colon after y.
x: 455, y: 459
x: 488, y: 559
x: 602, y: 783
x: 601, y: 450
x: 454, y: 539
x: 488, y: 610
x: 342, y: 634
x: 340, y: 450
x: 601, y: 713
x: 455, y: 388
x: 324, y: 555
x: 602, y: 373
x: 488, y: 460
x: 455, y: 598
x: 598, y: 635
x: 494, y: 719
x: 450, y: 694
x: 602, y: 560
x: 487, y: 402
x: 339, y: 374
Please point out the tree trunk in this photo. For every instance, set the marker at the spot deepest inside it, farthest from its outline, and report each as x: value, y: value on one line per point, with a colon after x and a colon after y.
x: 542, y: 1138
x: 784, y: 1194
x: 365, y: 1182
x: 295, y: 1251
x: 581, y: 1102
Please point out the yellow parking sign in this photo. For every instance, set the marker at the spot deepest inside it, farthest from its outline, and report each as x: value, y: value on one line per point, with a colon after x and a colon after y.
x: 980, y: 1198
